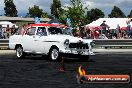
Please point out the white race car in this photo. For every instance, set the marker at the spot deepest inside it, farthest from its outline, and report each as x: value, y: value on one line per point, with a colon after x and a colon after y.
x: 47, y: 39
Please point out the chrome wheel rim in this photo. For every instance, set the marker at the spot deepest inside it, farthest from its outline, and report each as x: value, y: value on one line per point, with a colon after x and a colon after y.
x: 19, y: 52
x: 54, y: 54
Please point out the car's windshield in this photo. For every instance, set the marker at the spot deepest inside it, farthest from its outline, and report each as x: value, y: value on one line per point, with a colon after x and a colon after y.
x: 67, y: 31
x: 41, y: 31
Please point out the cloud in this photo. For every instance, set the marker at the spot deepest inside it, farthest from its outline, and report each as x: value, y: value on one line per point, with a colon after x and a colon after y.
x: 105, y: 5
x: 1, y: 7
x: 23, y: 5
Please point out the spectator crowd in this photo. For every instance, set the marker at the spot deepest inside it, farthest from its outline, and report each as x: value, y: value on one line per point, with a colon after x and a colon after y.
x: 104, y: 32
x: 6, y: 32
x: 100, y: 32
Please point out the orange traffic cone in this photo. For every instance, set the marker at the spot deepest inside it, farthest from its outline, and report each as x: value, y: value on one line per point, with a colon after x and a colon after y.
x: 62, y: 68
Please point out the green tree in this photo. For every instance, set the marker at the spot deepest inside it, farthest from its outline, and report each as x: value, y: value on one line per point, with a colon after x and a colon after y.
x: 130, y: 14
x: 56, y: 8
x: 35, y: 11
x: 10, y: 8
x: 94, y: 14
x: 76, y: 12
x: 62, y: 16
x: 117, y: 13
x: 44, y: 15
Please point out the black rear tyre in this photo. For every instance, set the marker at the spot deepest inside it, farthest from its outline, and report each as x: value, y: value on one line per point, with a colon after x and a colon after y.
x: 19, y: 52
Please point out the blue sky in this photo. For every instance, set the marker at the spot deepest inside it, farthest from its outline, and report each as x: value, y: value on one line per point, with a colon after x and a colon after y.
x: 105, y: 5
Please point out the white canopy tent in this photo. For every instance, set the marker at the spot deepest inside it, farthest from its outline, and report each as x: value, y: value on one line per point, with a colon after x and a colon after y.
x: 5, y: 23
x: 111, y: 22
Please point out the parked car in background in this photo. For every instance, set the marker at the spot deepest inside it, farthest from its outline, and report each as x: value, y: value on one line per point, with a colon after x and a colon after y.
x: 48, y: 39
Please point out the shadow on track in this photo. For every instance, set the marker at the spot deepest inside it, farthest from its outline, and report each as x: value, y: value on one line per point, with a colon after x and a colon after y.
x: 66, y: 59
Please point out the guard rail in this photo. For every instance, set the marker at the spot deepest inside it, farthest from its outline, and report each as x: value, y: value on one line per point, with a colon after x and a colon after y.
x: 113, y: 43
x: 4, y: 43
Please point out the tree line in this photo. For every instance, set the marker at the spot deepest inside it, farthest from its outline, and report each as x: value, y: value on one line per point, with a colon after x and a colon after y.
x: 75, y: 14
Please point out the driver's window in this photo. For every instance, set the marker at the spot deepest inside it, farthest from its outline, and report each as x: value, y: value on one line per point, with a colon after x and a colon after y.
x: 31, y: 31
x: 41, y: 31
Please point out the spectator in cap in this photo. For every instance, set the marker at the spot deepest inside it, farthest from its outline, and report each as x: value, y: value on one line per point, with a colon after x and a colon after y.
x: 104, y: 28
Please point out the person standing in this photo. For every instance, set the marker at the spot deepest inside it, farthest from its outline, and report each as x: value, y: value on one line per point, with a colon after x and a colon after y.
x: 22, y: 30
x: 1, y: 32
x: 104, y: 28
x: 13, y: 30
x: 128, y: 29
x: 118, y: 31
x: 8, y: 31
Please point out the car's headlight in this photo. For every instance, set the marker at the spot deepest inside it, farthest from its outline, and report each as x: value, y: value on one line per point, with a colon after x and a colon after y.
x: 66, y: 42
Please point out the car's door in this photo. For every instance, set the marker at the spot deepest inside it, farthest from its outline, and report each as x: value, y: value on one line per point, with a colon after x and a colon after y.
x: 28, y: 40
x: 39, y: 40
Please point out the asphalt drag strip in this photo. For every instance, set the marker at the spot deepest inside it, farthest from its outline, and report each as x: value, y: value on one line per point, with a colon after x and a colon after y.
x: 36, y: 72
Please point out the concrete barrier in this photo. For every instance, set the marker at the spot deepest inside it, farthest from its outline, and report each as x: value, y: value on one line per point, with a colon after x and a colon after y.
x: 113, y: 43
x: 4, y: 43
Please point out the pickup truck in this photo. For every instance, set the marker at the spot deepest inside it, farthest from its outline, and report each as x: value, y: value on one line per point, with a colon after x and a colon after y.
x: 47, y: 39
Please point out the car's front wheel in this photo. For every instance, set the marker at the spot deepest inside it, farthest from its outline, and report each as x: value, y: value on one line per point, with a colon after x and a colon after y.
x: 54, y: 54
x: 19, y: 52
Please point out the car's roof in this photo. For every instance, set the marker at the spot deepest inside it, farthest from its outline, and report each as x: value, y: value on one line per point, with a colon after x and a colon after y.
x: 44, y: 24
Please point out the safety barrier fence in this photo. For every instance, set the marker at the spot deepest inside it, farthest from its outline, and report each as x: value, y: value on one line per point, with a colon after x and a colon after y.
x: 4, y: 43
x: 113, y: 43
x: 107, y: 43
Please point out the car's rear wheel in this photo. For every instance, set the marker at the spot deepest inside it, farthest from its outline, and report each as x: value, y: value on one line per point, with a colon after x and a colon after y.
x: 54, y: 54
x: 19, y: 52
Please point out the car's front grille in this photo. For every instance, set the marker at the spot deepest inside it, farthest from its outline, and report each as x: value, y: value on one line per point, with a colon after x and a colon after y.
x: 78, y: 45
